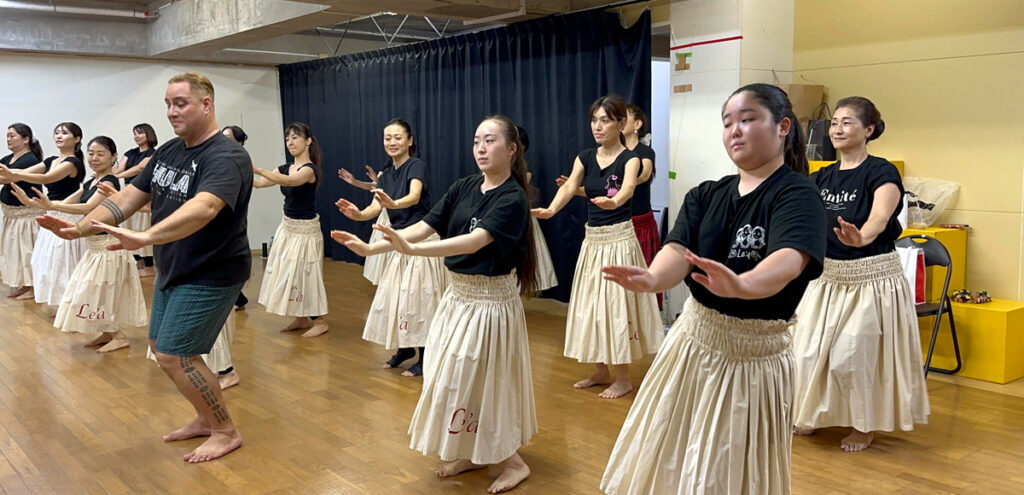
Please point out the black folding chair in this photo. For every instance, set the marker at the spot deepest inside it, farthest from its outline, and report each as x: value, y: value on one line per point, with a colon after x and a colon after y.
x: 935, y: 254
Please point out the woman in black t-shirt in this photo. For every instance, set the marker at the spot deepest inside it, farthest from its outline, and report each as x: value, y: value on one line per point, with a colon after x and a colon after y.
x: 53, y: 259
x: 644, y: 224
x: 130, y: 165
x: 410, y: 287
x: 103, y: 293
x: 477, y: 406
x: 19, y: 228
x: 858, y: 353
x: 293, y: 284
x: 713, y: 414
x: 605, y: 324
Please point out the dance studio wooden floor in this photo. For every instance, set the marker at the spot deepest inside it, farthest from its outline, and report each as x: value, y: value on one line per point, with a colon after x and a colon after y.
x: 320, y: 416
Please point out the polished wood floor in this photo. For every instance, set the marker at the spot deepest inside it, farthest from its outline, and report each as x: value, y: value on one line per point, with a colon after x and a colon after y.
x: 320, y: 416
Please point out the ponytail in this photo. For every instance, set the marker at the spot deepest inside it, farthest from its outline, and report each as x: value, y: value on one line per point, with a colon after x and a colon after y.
x: 794, y: 150
x: 526, y: 273
x: 315, y: 154
x: 75, y: 131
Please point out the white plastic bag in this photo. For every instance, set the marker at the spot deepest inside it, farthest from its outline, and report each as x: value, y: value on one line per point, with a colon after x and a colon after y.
x: 927, y: 199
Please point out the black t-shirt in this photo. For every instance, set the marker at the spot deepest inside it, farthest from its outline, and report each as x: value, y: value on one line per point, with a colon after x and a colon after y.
x: 503, y: 212
x: 642, y: 192
x: 784, y: 211
x: 67, y: 186
x: 27, y: 160
x: 395, y: 182
x: 135, y: 157
x: 851, y: 194
x: 599, y: 182
x: 217, y: 254
x: 89, y: 187
x: 299, y: 201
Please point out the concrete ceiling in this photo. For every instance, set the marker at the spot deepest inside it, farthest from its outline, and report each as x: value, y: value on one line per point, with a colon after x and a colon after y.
x: 262, y: 32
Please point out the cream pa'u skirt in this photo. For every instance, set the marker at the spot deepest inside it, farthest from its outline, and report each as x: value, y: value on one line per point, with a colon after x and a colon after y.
x: 477, y: 401
x: 545, y: 270
x: 17, y: 240
x: 408, y: 292
x: 54, y: 260
x: 293, y: 284
x: 858, y: 350
x: 605, y: 322
x: 141, y: 221
x: 713, y: 413
x: 104, y: 293
x: 374, y: 265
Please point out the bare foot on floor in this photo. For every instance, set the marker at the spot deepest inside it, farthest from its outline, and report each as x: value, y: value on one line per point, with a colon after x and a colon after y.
x: 193, y: 429
x: 18, y: 292
x: 618, y: 389
x: 219, y: 444
x: 804, y: 431
x: 228, y: 380
x: 857, y: 441
x: 103, y: 338
x: 26, y: 296
x: 298, y: 324
x: 513, y: 472
x: 598, y: 378
x: 147, y: 272
x: 120, y: 341
x: 319, y: 328
x: 455, y: 467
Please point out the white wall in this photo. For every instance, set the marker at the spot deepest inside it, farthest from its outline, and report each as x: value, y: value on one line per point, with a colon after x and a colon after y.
x: 661, y: 91
x: 109, y: 96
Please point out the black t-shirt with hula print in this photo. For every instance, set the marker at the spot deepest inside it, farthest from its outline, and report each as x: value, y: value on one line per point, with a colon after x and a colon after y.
x: 503, y: 212
x: 605, y: 181
x: 851, y: 194
x: 216, y: 255
x: 395, y: 182
x: 642, y: 193
x: 784, y: 211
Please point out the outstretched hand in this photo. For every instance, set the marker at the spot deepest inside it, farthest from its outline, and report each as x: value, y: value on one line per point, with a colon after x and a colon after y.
x: 604, y: 203
x: 348, y: 209
x: 349, y: 240
x: 384, y: 199
x: 130, y: 239
x: 848, y: 234
x: 630, y: 277
x: 717, y: 278
x: 397, y: 241
x: 61, y: 227
x: 106, y: 189
x: 542, y: 213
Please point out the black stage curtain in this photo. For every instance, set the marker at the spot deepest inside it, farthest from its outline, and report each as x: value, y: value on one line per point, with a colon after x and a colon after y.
x: 543, y: 73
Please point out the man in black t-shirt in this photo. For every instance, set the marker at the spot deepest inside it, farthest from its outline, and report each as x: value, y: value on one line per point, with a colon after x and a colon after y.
x: 199, y: 185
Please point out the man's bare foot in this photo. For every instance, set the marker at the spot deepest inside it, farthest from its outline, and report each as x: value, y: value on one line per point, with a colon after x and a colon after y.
x: 19, y: 291
x: 319, y: 328
x: 103, y: 338
x: 300, y: 323
x: 119, y: 341
x: 219, y: 444
x: 857, y: 441
x: 455, y: 467
x: 194, y: 428
x: 598, y: 378
x: 513, y: 472
x: 147, y: 272
x: 228, y: 380
x: 804, y: 432
x: 618, y: 389
x: 26, y: 296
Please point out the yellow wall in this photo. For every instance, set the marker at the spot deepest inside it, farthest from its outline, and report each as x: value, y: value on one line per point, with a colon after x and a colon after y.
x: 948, y: 78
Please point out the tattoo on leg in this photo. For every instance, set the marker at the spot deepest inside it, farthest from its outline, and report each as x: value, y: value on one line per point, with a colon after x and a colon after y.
x: 208, y: 394
x: 115, y: 210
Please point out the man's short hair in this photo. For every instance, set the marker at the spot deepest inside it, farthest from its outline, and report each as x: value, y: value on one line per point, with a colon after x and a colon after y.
x: 198, y: 84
